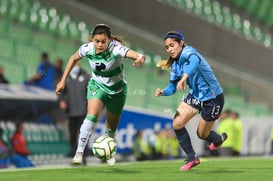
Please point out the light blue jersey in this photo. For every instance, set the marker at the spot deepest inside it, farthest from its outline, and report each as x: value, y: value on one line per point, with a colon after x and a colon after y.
x: 202, y: 82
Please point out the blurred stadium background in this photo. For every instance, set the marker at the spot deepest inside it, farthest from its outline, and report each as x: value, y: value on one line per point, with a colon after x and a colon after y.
x: 234, y: 35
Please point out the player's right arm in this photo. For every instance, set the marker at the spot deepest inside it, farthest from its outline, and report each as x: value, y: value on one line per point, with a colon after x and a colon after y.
x: 169, y: 90
x: 71, y: 63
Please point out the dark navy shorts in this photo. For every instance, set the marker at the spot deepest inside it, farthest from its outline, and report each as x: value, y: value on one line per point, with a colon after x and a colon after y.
x: 210, y: 110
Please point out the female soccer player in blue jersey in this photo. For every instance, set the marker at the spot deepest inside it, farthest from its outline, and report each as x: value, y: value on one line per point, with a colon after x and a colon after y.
x: 107, y: 87
x: 205, y: 95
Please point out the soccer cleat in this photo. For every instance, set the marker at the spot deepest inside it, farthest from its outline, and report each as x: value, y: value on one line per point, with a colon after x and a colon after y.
x: 77, y: 160
x: 190, y: 164
x: 212, y: 147
x: 111, y: 161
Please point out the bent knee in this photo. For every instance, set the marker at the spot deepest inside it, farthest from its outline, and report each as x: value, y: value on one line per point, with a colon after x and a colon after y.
x: 178, y: 123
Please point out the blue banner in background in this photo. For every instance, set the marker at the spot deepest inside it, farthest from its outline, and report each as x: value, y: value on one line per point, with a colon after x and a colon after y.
x: 131, y: 121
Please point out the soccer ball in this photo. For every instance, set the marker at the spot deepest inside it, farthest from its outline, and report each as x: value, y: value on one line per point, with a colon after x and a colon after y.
x: 104, y: 148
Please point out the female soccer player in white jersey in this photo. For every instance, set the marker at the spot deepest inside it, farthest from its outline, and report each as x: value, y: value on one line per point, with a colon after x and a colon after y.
x: 107, y: 87
x: 205, y: 95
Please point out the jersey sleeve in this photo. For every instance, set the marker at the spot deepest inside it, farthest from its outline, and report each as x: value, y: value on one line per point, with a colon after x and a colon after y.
x: 84, y: 49
x: 170, y: 89
x: 192, y: 64
x: 173, y: 76
x: 120, y: 50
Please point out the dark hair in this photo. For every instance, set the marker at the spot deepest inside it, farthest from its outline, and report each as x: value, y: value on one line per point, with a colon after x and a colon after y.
x: 176, y: 36
x: 44, y: 55
x: 101, y: 29
x: 105, y: 29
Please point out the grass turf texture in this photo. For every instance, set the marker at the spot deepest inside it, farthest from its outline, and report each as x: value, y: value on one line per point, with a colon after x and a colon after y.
x: 242, y: 169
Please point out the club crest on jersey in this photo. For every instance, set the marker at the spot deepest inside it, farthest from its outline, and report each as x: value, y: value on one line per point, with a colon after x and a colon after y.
x: 93, y: 92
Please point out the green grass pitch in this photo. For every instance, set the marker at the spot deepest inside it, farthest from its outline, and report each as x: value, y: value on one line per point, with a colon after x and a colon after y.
x: 217, y: 169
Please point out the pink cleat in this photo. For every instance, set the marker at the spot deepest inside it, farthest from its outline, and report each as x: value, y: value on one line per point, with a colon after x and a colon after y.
x: 212, y: 147
x: 190, y: 164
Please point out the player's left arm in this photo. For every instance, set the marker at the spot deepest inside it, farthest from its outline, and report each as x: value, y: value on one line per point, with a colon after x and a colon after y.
x: 171, y: 88
x: 189, y: 68
x: 137, y: 57
x: 181, y: 85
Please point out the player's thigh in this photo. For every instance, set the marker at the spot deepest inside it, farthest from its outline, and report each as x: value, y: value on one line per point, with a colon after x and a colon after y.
x: 114, y: 107
x: 115, y: 103
x: 96, y: 99
x: 211, y: 109
x: 183, y: 115
x: 95, y: 106
x: 210, y: 112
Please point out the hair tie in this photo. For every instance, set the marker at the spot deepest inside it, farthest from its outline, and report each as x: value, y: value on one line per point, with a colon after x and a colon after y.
x: 177, y: 35
x: 179, y: 32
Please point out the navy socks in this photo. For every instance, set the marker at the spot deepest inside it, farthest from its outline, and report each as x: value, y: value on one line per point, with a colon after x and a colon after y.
x: 214, y: 138
x: 185, y: 142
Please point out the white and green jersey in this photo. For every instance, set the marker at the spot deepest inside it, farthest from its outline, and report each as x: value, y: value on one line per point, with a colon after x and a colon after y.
x: 107, y: 67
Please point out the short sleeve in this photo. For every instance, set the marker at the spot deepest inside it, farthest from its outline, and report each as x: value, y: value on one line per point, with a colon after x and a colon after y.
x: 119, y: 49
x: 87, y: 47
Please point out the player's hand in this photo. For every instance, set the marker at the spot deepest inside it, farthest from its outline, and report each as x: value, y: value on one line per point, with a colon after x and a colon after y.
x: 59, y: 88
x: 181, y: 85
x: 158, y: 92
x: 140, y: 60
